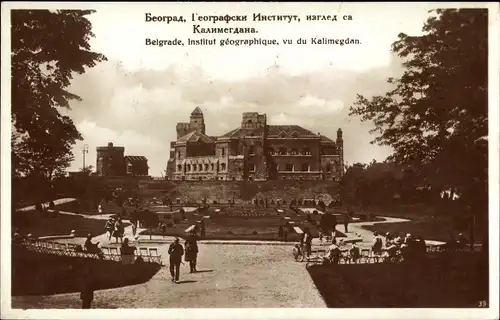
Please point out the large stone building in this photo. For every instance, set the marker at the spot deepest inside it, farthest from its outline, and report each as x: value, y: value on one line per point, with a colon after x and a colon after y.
x: 253, y: 151
x: 111, y: 161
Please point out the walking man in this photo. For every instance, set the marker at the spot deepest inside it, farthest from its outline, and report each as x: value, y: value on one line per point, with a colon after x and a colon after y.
x: 176, y: 251
x: 346, y: 221
x: 109, y: 228
x: 202, y: 228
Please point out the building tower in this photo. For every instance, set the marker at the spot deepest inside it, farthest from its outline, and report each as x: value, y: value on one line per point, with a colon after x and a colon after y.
x: 196, y: 121
x: 110, y: 160
x: 340, y: 150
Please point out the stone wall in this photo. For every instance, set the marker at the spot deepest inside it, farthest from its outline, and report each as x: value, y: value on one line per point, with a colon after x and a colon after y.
x: 246, y: 191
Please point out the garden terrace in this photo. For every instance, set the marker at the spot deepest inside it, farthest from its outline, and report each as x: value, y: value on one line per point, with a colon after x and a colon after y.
x: 242, y: 223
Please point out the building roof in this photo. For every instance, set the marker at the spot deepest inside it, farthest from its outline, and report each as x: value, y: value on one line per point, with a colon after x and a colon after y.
x: 273, y: 131
x: 289, y: 130
x: 194, y: 136
x: 326, y: 140
x: 136, y: 158
x: 243, y: 132
x: 197, y: 111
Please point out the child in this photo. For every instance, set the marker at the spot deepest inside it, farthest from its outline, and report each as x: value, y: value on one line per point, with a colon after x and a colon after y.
x: 163, y: 229
x: 377, y: 244
x: 354, y: 253
x: 334, y: 253
x: 297, y: 252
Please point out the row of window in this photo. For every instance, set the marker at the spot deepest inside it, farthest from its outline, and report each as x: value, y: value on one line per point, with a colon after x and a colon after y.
x: 200, y: 167
x: 251, y: 167
x: 279, y: 152
x: 293, y: 151
x: 222, y: 150
x: 303, y: 167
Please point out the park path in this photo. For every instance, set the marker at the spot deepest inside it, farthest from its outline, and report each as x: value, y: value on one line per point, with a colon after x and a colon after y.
x: 56, y: 202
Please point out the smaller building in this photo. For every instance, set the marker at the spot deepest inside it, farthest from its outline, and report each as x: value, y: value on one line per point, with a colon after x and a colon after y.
x: 136, y: 165
x: 111, y: 161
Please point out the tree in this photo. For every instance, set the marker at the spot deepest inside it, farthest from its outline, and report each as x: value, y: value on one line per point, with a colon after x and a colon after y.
x: 437, y: 111
x: 149, y: 220
x: 48, y: 48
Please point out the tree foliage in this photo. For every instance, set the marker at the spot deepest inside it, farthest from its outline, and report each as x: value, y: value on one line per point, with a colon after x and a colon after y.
x: 437, y: 110
x: 48, y: 48
x: 383, y: 183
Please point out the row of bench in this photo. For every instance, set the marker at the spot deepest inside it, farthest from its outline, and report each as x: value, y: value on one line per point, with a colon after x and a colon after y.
x: 69, y: 249
x: 367, y: 256
x: 147, y: 254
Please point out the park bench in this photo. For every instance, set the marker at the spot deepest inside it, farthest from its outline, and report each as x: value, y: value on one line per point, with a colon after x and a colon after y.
x: 298, y: 230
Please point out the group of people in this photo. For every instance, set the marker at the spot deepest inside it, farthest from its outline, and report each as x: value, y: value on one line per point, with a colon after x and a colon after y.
x: 189, y: 251
x: 115, y: 228
x: 407, y: 247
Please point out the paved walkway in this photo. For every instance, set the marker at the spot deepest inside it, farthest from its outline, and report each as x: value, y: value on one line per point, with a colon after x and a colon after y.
x: 56, y: 202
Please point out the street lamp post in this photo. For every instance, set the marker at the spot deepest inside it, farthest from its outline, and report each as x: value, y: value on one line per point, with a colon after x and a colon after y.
x: 84, y: 152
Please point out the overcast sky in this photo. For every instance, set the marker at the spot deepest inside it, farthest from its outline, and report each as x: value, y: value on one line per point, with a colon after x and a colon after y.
x: 137, y: 97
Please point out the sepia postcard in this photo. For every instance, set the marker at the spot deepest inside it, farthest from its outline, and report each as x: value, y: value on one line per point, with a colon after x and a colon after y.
x: 250, y: 160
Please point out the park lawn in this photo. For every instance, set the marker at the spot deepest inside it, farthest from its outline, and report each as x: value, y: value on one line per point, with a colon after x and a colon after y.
x: 53, y: 224
x: 242, y: 224
x: 436, y: 282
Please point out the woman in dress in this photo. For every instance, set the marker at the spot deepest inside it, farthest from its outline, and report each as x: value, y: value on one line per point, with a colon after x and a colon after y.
x: 191, y: 248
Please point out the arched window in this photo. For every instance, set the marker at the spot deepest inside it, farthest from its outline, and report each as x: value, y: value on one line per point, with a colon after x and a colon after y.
x: 249, y: 121
x: 179, y: 168
x: 194, y: 167
x: 305, y: 167
x: 329, y: 167
x: 200, y: 167
x: 206, y: 166
x: 223, y: 167
x: 188, y: 168
x: 289, y: 167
